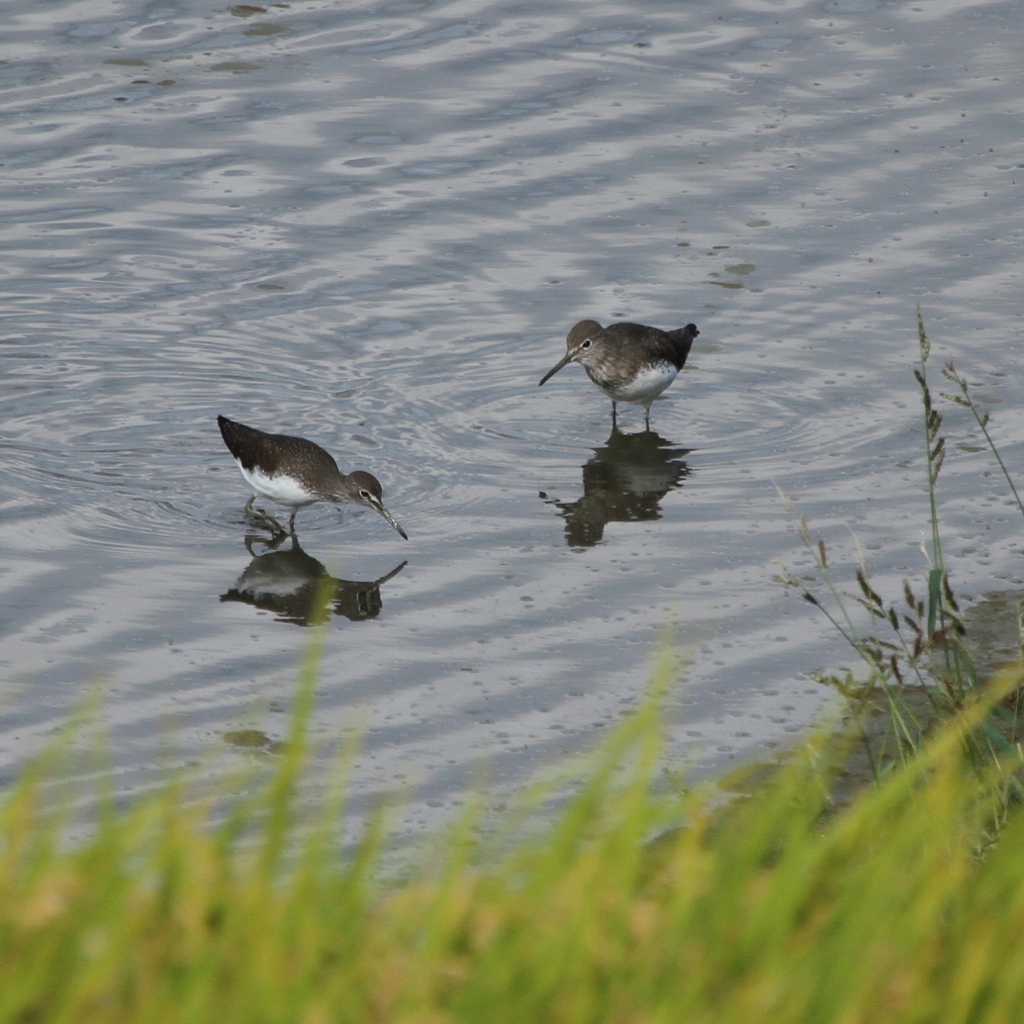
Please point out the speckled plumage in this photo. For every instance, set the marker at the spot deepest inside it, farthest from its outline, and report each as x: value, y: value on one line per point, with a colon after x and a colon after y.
x: 629, y: 362
x: 295, y: 472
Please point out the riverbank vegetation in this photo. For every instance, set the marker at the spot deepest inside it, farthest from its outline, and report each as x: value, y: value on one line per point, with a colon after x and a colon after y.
x: 638, y: 903
x: 918, y: 660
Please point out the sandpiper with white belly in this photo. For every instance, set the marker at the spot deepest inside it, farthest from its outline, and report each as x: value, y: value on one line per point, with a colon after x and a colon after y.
x: 295, y: 472
x: 628, y: 362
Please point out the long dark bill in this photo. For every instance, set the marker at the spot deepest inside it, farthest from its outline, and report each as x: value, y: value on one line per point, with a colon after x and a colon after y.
x: 554, y: 369
x: 391, y: 519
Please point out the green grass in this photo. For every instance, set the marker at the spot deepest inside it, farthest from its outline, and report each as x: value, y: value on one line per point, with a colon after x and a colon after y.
x: 637, y: 904
x: 918, y: 666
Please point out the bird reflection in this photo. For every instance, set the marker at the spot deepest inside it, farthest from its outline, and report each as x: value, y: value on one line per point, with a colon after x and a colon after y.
x: 299, y: 589
x: 623, y: 483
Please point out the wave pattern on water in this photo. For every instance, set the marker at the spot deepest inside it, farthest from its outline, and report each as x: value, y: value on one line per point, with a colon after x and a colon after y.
x: 373, y: 228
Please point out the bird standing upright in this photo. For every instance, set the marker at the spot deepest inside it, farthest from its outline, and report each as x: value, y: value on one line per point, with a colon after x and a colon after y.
x: 628, y: 362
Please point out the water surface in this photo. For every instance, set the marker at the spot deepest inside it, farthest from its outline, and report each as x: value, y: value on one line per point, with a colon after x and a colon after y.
x: 373, y: 226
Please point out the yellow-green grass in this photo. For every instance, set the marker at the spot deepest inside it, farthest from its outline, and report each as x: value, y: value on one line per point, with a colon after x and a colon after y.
x: 638, y: 903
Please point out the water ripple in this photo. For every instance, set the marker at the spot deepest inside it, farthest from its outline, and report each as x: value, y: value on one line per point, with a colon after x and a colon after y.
x: 373, y: 228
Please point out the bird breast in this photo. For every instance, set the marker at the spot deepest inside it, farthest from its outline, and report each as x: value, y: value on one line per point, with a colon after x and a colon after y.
x: 644, y: 387
x: 283, y: 489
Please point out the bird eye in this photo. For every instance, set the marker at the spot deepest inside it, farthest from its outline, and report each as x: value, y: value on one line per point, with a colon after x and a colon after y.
x: 586, y: 344
x: 364, y: 494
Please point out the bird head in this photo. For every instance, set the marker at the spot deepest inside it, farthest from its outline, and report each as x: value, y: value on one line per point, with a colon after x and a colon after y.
x: 364, y: 489
x: 583, y: 345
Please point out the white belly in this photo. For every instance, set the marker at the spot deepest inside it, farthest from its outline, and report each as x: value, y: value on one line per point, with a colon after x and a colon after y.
x: 285, y: 490
x: 646, y: 386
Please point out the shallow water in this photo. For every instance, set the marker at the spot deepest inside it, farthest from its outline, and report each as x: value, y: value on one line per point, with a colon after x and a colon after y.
x: 373, y: 227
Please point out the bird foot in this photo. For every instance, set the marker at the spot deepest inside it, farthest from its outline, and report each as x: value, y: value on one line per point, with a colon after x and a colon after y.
x: 261, y: 516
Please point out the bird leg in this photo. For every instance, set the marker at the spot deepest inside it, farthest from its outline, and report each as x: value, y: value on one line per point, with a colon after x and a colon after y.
x: 647, y: 415
x: 258, y: 513
x: 615, y: 425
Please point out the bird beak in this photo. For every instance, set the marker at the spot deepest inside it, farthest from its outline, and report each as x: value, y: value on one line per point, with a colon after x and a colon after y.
x: 554, y: 369
x: 391, y: 519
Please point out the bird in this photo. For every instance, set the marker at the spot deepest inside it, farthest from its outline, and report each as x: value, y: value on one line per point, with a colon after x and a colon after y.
x: 628, y: 362
x: 295, y: 472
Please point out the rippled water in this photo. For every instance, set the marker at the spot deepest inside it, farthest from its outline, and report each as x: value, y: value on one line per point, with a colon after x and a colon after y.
x: 373, y: 226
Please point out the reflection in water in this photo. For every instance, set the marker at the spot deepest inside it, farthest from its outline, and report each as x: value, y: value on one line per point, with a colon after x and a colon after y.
x: 299, y: 589
x: 623, y: 483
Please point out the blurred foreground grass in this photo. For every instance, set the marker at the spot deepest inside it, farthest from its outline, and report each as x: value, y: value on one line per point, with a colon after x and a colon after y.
x: 635, y: 905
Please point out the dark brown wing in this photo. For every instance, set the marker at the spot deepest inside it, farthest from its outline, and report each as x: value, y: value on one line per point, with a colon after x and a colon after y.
x: 672, y: 346
x: 254, y: 447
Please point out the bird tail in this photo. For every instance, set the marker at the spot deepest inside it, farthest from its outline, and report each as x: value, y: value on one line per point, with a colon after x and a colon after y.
x: 229, y: 431
x: 239, y: 438
x: 682, y: 339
